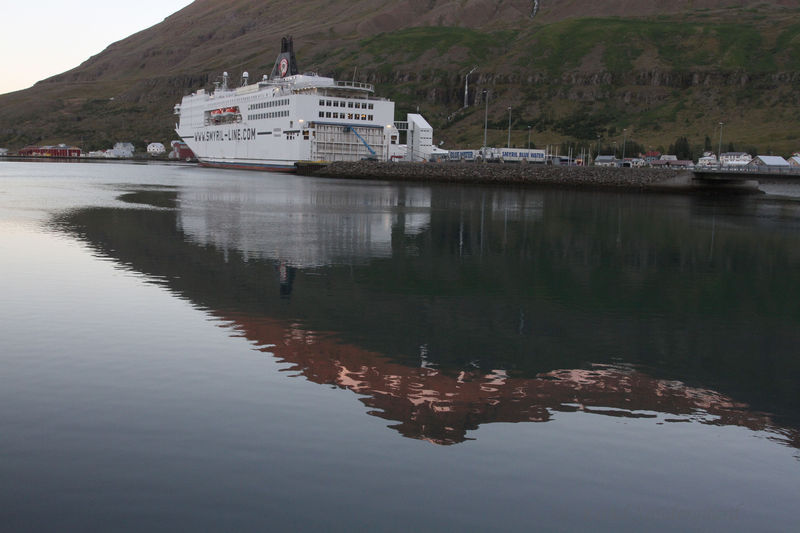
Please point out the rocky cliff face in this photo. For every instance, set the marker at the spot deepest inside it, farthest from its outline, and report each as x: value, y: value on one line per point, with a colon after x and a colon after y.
x: 658, y: 69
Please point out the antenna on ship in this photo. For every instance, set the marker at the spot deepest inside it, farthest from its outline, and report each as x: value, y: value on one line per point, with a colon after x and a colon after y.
x: 245, y: 78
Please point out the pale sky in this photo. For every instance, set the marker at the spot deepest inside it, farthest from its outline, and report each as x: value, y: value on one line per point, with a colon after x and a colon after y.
x: 41, y: 38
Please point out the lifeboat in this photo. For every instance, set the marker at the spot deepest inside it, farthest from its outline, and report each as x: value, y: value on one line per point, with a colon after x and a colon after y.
x: 216, y: 115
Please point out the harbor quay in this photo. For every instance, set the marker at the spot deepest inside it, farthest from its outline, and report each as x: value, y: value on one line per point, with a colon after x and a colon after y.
x: 640, y: 179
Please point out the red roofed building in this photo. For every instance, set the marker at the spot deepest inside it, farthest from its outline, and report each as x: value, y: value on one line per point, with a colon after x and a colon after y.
x: 62, y: 150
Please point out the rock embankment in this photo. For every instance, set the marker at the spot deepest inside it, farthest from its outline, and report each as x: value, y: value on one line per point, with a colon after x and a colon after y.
x: 509, y: 174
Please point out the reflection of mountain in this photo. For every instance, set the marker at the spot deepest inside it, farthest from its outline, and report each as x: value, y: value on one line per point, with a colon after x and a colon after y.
x: 433, y: 405
x: 515, y: 282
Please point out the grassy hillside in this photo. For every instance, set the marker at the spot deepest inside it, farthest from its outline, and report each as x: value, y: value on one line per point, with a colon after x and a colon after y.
x: 578, y: 71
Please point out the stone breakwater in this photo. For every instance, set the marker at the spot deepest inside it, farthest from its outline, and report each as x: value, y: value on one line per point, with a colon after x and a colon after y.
x: 509, y: 174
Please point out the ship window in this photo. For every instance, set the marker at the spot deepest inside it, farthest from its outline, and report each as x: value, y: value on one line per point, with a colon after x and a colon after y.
x: 350, y: 116
x: 327, y: 114
x: 370, y: 117
x: 335, y: 103
x: 363, y: 117
x: 322, y: 114
x: 370, y: 106
x: 349, y: 104
x: 328, y: 103
x: 322, y: 102
x: 356, y: 117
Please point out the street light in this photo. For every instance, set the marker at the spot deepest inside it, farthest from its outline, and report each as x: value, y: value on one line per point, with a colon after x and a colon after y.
x: 466, y: 86
x: 508, y: 145
x: 624, y: 132
x: 529, y: 137
x: 485, y: 116
x: 720, y: 143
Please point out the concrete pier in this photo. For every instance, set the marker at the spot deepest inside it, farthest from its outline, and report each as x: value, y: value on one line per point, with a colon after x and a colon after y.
x: 638, y: 179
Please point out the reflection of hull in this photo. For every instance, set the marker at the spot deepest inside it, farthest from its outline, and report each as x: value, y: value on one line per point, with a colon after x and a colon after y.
x: 432, y: 405
x: 339, y: 234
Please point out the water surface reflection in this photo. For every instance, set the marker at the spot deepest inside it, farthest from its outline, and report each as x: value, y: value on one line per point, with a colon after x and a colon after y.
x: 451, y: 308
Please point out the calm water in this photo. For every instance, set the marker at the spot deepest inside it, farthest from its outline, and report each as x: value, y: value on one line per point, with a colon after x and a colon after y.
x: 189, y: 349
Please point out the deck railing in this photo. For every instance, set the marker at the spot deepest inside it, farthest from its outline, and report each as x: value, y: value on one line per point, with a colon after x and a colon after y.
x: 356, y: 85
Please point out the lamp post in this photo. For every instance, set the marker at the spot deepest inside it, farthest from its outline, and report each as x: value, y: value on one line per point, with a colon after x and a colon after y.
x: 529, y: 137
x: 719, y: 157
x: 508, y: 145
x: 624, y: 133
x: 466, y: 87
x: 485, y: 117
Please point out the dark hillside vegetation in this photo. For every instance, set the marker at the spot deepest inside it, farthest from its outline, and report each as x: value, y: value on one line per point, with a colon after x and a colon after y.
x: 580, y: 71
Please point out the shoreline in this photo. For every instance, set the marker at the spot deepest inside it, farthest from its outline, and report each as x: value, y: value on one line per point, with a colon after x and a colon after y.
x: 84, y: 159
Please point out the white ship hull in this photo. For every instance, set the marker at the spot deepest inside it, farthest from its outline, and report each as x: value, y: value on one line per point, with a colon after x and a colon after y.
x: 307, y: 118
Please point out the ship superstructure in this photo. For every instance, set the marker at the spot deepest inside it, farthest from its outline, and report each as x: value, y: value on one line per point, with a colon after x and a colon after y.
x: 288, y: 117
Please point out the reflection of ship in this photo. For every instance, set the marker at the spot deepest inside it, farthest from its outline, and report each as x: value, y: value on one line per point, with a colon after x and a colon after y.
x: 441, y: 407
x: 338, y: 234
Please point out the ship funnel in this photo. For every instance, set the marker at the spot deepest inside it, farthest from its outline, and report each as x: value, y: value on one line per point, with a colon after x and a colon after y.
x: 286, y: 64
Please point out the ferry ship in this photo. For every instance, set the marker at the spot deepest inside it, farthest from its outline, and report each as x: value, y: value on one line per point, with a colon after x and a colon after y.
x: 288, y: 117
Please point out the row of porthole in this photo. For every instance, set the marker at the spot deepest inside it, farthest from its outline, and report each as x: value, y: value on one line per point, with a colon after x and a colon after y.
x: 338, y: 103
x: 273, y: 103
x: 273, y: 114
x: 349, y: 116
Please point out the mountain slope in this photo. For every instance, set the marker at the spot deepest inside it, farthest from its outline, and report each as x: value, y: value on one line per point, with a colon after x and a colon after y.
x: 578, y: 69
